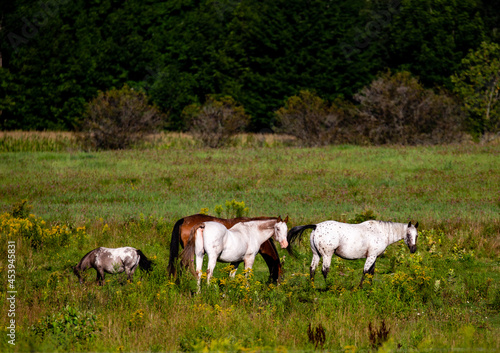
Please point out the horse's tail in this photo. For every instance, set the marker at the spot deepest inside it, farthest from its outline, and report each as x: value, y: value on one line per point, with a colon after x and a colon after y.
x: 174, y: 247
x: 144, y: 263
x: 294, y: 233
x: 187, y: 256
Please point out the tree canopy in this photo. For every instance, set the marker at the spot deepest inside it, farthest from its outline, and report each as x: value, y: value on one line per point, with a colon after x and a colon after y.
x: 57, y: 55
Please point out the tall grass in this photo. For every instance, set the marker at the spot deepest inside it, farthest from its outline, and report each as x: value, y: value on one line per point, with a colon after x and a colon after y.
x: 444, y: 297
x: 24, y: 141
x: 30, y: 141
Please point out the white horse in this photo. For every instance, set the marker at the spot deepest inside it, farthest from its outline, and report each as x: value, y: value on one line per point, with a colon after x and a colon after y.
x: 240, y: 243
x: 354, y: 241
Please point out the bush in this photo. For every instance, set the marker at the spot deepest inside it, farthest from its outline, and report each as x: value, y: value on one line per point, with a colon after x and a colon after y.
x: 69, y: 322
x: 19, y: 224
x: 117, y: 119
x: 312, y: 120
x: 478, y: 84
x: 216, y: 121
x: 397, y: 109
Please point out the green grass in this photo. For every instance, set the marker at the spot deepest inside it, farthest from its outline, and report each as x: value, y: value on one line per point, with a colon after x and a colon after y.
x: 444, y: 297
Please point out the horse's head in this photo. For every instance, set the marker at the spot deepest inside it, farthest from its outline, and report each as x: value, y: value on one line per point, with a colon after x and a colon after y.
x: 78, y: 274
x: 411, y: 237
x: 280, y: 232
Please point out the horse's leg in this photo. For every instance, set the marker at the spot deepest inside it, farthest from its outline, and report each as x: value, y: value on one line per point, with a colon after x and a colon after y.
x: 199, y: 264
x: 235, y: 267
x: 314, y: 264
x: 130, y: 272
x: 369, y: 268
x: 327, y: 260
x: 100, y: 276
x: 248, y: 264
x: 212, y: 261
x: 272, y: 259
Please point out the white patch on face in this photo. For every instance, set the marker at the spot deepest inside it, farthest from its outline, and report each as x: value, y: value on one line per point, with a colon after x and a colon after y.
x: 280, y: 231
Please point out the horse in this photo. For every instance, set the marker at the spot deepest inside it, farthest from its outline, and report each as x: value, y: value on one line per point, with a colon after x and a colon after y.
x: 112, y: 261
x: 182, y: 229
x: 353, y: 241
x: 234, y: 245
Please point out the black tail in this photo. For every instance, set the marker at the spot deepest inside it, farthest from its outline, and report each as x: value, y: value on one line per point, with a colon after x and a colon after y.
x: 294, y: 233
x: 144, y: 263
x: 174, y: 247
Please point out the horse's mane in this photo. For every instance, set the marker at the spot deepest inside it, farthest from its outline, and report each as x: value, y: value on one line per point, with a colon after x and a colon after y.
x: 251, y: 219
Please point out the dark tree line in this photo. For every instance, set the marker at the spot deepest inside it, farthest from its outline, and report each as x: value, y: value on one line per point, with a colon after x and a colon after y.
x: 58, y: 54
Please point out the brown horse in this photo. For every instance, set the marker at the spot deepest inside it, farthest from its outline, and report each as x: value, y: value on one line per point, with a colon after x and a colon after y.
x: 182, y: 229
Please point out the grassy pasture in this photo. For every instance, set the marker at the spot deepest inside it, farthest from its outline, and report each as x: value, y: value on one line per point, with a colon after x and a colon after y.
x: 444, y: 297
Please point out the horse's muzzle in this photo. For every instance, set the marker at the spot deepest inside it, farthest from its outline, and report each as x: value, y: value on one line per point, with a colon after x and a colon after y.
x: 284, y: 243
x: 413, y: 248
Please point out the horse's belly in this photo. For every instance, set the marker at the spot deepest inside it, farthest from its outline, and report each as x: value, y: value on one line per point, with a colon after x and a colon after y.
x: 349, y: 255
x: 351, y: 251
x: 115, y: 268
x: 227, y: 256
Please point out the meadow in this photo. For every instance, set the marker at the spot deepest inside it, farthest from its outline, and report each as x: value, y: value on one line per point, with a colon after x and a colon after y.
x: 58, y: 202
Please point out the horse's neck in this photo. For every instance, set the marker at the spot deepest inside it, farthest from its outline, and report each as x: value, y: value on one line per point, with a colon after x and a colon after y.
x: 396, y: 232
x: 259, y: 230
x: 86, y: 262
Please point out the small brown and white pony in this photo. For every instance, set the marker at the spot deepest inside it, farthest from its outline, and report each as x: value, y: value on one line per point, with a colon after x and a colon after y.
x: 109, y: 260
x: 354, y: 241
x: 240, y: 243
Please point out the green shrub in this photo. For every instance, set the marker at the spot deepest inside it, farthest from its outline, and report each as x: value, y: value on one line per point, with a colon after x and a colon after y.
x: 119, y: 118
x: 363, y: 216
x: 312, y: 120
x: 233, y: 209
x: 397, y: 109
x: 69, y: 322
x: 478, y: 84
x: 216, y: 121
x: 19, y: 223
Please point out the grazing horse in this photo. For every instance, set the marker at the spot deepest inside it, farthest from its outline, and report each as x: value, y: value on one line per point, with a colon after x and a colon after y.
x: 182, y: 229
x: 240, y: 243
x: 112, y: 261
x: 354, y: 241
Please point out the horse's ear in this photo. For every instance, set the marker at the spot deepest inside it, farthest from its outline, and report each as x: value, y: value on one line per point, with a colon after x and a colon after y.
x: 286, y: 219
x: 409, y: 224
x: 416, y: 225
x: 279, y: 218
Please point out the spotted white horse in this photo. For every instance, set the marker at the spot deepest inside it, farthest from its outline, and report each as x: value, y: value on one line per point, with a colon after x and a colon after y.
x: 353, y: 241
x: 112, y: 260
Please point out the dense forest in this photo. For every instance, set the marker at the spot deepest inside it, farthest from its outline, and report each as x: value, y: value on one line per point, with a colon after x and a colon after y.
x: 56, y: 55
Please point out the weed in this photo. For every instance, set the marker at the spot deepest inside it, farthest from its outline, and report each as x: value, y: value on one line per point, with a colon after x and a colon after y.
x: 233, y: 208
x: 366, y: 215
x: 378, y: 336
x: 69, y: 322
x: 316, y: 336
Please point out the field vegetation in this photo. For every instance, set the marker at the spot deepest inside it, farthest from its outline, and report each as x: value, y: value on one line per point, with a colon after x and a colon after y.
x: 58, y: 202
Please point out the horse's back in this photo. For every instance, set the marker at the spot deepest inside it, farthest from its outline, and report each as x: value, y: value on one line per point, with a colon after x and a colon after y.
x: 346, y: 240
x: 109, y: 258
x: 227, y: 245
x: 214, y: 233
x: 334, y: 227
